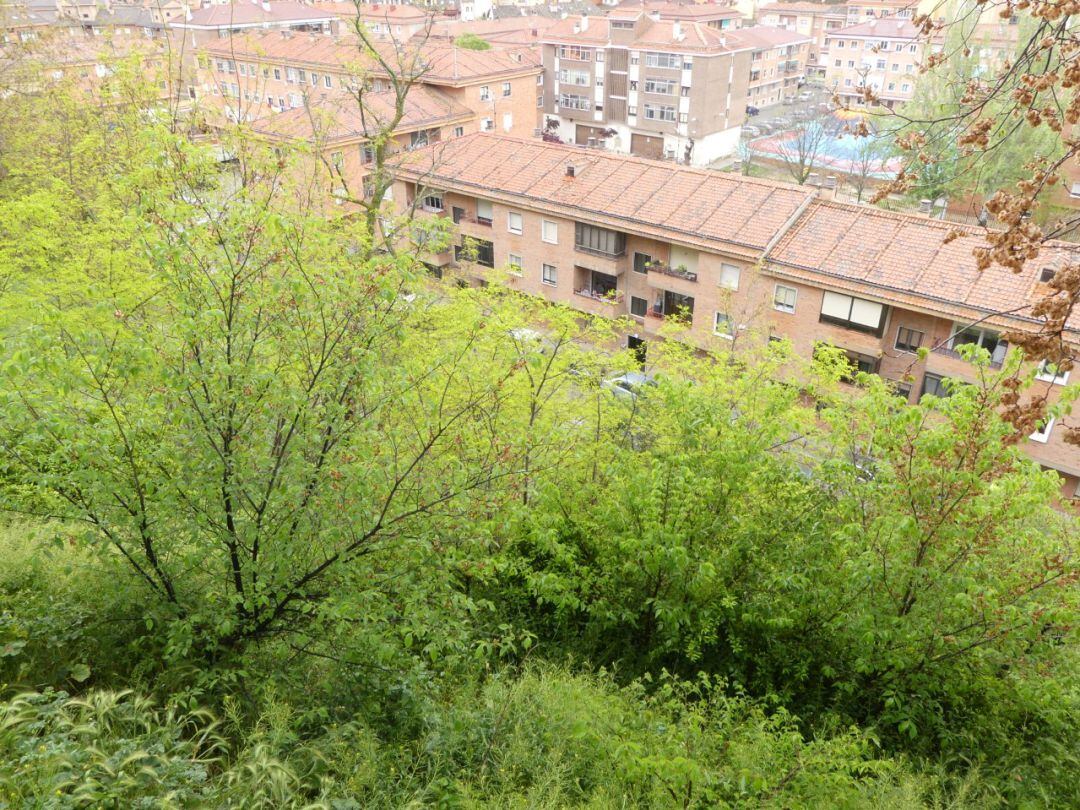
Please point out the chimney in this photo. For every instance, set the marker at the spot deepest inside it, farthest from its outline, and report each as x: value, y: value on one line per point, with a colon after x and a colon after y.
x: 265, y: 6
x: 571, y: 171
x: 584, y: 22
x: 872, y: 23
x: 676, y: 31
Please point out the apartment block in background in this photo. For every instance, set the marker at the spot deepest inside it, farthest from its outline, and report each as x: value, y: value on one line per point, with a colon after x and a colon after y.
x: 637, y: 84
x: 735, y: 261
x: 814, y: 20
x: 882, y: 54
x: 777, y: 63
x: 279, y: 71
x: 860, y: 11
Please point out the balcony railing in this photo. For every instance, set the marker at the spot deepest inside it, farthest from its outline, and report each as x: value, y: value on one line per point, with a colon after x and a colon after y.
x: 668, y: 270
x: 609, y: 297
x: 602, y: 253
x: 476, y: 221
x: 997, y: 359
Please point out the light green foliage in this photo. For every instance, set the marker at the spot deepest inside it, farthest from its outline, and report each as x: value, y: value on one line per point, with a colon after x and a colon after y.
x: 472, y: 42
x: 413, y: 546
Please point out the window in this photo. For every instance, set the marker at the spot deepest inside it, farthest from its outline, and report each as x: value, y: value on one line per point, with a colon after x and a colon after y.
x: 641, y: 262
x: 277, y: 74
x: 623, y: 25
x: 724, y: 325
x: 1047, y: 372
x: 327, y: 81
x: 853, y: 313
x: 514, y: 261
x: 599, y: 240
x: 314, y: 79
x: 1042, y: 433
x: 1046, y: 275
x: 908, y: 340
x: 418, y: 139
x: 1074, y: 189
x: 683, y: 118
x: 290, y: 75
x: 479, y: 250
x: 459, y: 131
x: 508, y: 122
x: 575, y: 52
x: 486, y: 125
x: 578, y: 77
x: 663, y: 86
x: 367, y: 154
x: 513, y: 222
x: 484, y: 212
x: 337, y: 160
x: 729, y: 276
x: 659, y: 112
x: 432, y: 201
x: 638, y: 306
x: 784, y: 298
x: 549, y: 275
x: 984, y: 338
x: 549, y: 232
x: 663, y: 60
x: 631, y: 110
x: 506, y: 89
x: 569, y: 101
x: 880, y: 64
x: 599, y: 56
x: 485, y: 93
x: 934, y: 384
x: 540, y: 100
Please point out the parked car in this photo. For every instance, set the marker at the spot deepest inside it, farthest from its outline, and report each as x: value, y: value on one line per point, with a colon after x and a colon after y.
x: 805, y: 96
x: 752, y: 110
x: 629, y: 385
x: 751, y: 132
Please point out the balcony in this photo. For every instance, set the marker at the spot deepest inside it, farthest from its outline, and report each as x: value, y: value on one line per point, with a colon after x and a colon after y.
x: 604, y: 297
x: 997, y: 357
x: 672, y: 272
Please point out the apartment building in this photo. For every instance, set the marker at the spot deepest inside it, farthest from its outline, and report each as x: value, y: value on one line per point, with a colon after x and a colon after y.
x: 640, y: 85
x: 814, y: 20
x: 735, y: 260
x: 778, y: 63
x: 882, y: 54
x: 714, y: 15
x: 218, y: 20
x: 860, y: 11
x: 280, y: 70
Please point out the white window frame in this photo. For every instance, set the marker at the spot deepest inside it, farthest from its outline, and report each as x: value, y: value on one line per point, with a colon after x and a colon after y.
x: 1043, y: 436
x: 784, y: 307
x: 545, y: 225
x: 553, y: 281
x: 726, y: 270
x: 1054, y: 379
x: 515, y: 264
x: 510, y: 222
x: 716, y: 325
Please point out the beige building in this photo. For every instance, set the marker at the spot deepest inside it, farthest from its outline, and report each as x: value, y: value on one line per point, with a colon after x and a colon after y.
x: 882, y: 54
x: 636, y: 84
x: 734, y: 261
x: 813, y: 20
x: 777, y: 63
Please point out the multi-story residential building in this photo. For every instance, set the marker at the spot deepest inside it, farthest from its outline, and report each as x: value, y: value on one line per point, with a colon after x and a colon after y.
x: 280, y: 70
x: 859, y: 11
x: 714, y: 15
x: 637, y: 84
x: 735, y: 260
x: 882, y: 54
x: 505, y: 32
x: 815, y: 20
x: 777, y: 62
x: 218, y: 20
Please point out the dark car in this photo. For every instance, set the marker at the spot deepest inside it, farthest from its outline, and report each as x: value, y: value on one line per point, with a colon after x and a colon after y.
x: 752, y: 110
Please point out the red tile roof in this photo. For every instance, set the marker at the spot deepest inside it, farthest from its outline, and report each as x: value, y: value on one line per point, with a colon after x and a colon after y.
x: 902, y: 259
x: 760, y: 37
x: 675, y: 202
x: 702, y: 12
x: 804, y: 8
x: 445, y: 63
x: 243, y: 12
x: 668, y: 35
x: 335, y: 117
x: 887, y: 28
x: 908, y: 259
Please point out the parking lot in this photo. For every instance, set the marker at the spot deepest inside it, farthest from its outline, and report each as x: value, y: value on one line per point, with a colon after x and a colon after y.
x: 811, y: 102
